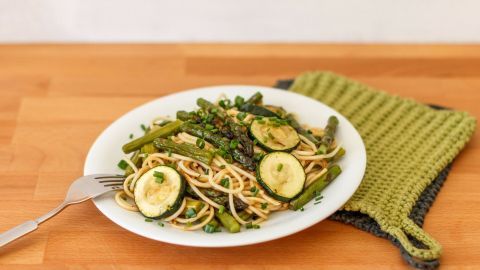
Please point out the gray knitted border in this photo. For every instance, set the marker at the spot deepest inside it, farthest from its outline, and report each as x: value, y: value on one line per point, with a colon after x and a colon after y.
x: 419, y: 211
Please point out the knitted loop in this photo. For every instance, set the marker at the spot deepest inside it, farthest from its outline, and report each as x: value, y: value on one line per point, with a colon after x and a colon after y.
x: 409, y: 228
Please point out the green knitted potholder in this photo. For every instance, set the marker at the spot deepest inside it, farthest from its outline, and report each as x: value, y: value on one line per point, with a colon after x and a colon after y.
x: 407, y: 145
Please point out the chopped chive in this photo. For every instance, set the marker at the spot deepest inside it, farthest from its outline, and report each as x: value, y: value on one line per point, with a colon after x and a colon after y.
x: 309, y: 131
x: 253, y: 189
x: 241, y: 116
x: 302, y: 209
x: 221, y: 209
x: 169, y: 152
x: 122, y: 164
x: 148, y: 220
x: 209, y: 228
x: 258, y: 117
x: 255, y: 141
x: 190, y: 213
x: 279, y: 167
x: 257, y: 156
x: 239, y: 101
x: 222, y: 166
x: 159, y: 176
x: 225, y: 182
x: 200, y: 143
x: 270, y: 135
x: 255, y: 193
x: 130, y: 136
x: 315, y: 203
x: 233, y: 144
x: 221, y: 152
x: 143, y: 127
x: 264, y: 205
x: 224, y: 103
x: 256, y: 226
x: 249, y: 225
x: 160, y: 224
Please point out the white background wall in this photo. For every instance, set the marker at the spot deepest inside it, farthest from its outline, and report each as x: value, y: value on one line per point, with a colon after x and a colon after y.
x: 407, y: 21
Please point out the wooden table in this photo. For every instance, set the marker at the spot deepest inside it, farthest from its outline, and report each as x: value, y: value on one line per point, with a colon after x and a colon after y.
x: 55, y: 100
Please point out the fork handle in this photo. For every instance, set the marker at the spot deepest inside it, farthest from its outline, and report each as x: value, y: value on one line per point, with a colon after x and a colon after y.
x: 17, y: 232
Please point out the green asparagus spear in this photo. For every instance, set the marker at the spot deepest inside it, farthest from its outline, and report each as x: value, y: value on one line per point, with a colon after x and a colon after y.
x: 329, y: 135
x: 228, y: 221
x: 218, y: 197
x: 148, y: 149
x: 255, y: 99
x: 341, y: 152
x: 208, y: 106
x: 136, y: 160
x: 244, y: 215
x: 183, y: 115
x: 294, y: 123
x: 161, y: 132
x: 238, y: 131
x: 241, y: 133
x: 219, y: 142
x: 184, y: 149
x: 315, y: 188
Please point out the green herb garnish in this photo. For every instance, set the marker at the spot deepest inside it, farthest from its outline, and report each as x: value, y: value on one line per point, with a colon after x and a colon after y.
x: 254, y: 191
x: 160, y: 224
x: 209, y: 228
x: 159, y: 176
x: 239, y: 101
x: 233, y: 144
x: 241, y: 116
x: 221, y: 209
x: 225, y: 182
x: 190, y: 213
x: 264, y: 205
x: 130, y: 136
x: 148, y: 220
x: 200, y: 143
x: 279, y: 167
x: 122, y: 164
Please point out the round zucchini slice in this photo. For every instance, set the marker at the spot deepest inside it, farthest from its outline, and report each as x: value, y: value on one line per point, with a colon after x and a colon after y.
x: 281, y: 175
x: 159, y: 192
x: 273, y: 136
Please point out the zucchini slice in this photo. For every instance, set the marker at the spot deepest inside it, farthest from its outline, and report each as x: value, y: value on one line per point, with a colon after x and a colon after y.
x: 281, y: 175
x: 274, y: 136
x: 159, y: 192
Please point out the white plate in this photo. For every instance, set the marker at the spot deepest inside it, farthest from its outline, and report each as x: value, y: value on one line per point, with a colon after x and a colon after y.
x: 106, y: 152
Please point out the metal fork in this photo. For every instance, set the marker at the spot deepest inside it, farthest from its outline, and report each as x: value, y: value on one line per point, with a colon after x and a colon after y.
x: 82, y: 189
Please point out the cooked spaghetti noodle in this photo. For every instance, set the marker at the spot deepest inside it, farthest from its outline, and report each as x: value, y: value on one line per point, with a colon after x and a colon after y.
x: 238, y: 183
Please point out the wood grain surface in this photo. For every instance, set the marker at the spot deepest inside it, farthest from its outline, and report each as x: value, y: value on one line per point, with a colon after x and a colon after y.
x: 55, y: 100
